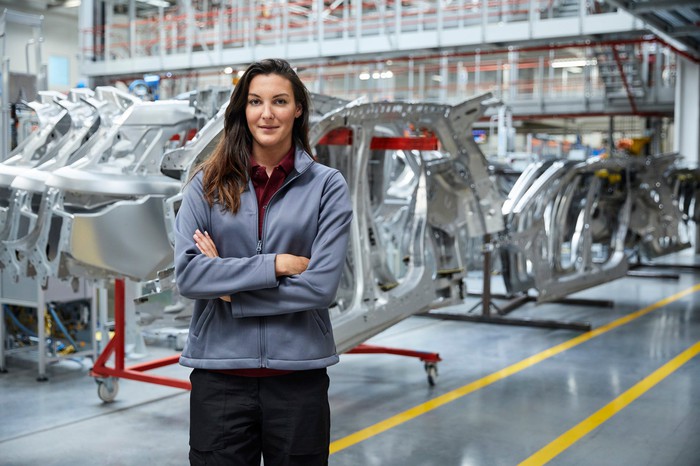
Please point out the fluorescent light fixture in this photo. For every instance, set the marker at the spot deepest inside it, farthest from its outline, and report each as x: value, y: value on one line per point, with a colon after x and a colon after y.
x: 71, y: 4
x: 364, y: 76
x: 228, y: 70
x: 573, y: 62
x: 157, y: 3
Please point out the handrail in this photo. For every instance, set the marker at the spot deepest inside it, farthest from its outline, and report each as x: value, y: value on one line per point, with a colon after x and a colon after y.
x: 267, y: 26
x: 624, y: 79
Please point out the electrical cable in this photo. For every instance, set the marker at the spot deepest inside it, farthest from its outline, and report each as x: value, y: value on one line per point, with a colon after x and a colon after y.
x: 61, y: 327
x: 17, y: 322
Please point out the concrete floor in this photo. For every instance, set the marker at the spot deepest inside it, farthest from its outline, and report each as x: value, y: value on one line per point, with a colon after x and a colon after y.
x: 526, y: 405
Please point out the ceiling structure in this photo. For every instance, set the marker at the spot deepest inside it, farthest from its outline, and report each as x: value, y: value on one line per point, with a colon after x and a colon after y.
x: 678, y: 20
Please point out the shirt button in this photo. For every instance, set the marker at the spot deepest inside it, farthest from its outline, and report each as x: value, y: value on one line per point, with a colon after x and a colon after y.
x: 265, y: 206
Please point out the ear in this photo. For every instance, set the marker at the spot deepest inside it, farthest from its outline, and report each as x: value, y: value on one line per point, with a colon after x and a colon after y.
x: 298, y: 112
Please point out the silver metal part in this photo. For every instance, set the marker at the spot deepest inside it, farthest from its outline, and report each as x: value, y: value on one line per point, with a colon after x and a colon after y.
x: 24, y: 248
x: 414, y: 210
x: 92, y: 205
x: 571, y: 226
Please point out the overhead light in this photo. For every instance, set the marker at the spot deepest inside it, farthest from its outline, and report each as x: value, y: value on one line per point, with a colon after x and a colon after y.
x: 63, y: 4
x: 573, y: 62
x: 228, y: 70
x: 364, y: 76
x: 156, y: 3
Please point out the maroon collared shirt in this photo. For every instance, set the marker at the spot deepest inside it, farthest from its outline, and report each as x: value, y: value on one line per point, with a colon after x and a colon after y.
x: 266, y: 186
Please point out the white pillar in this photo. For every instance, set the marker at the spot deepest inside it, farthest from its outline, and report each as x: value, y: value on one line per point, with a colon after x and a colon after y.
x: 686, y: 116
x: 86, y: 37
x: 686, y: 127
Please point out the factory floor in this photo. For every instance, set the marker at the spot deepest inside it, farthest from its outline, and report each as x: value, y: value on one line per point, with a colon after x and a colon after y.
x: 625, y: 393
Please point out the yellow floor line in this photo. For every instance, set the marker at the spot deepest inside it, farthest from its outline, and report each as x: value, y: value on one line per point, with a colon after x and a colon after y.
x: 453, y: 395
x: 575, y: 434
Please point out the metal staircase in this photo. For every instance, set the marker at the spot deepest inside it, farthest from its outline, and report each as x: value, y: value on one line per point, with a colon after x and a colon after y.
x: 619, y: 68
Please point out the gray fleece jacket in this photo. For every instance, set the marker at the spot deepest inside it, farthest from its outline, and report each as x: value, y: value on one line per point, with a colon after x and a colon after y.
x: 277, y: 323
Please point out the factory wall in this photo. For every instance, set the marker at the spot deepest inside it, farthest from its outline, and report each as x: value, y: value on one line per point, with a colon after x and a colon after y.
x: 59, y: 50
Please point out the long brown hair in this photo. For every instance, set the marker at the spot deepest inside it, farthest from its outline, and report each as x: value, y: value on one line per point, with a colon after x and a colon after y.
x: 226, y: 171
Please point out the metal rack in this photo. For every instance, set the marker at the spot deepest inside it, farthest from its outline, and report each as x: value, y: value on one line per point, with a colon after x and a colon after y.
x: 430, y: 360
x: 29, y: 293
x: 486, y: 303
x: 107, y: 377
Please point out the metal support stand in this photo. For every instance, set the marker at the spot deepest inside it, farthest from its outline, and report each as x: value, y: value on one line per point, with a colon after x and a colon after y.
x: 107, y: 377
x: 429, y: 360
x: 487, y: 304
x: 41, y: 332
x: 30, y: 294
x: 634, y: 272
x: 372, y: 349
x: 652, y: 274
x: 7, y: 297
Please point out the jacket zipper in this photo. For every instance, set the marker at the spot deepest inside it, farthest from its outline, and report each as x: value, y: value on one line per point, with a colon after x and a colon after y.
x: 261, y: 320
x: 258, y: 250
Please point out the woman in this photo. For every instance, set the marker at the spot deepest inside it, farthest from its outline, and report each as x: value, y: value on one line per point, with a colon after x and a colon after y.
x: 261, y: 238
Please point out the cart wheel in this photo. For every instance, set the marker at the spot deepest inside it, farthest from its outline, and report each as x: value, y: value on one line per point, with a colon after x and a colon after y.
x: 431, y: 370
x: 107, y: 389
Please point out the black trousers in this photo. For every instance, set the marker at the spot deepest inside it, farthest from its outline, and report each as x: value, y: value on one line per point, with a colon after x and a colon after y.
x: 234, y: 420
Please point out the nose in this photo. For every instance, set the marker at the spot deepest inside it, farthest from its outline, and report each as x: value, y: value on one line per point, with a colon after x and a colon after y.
x: 267, y: 112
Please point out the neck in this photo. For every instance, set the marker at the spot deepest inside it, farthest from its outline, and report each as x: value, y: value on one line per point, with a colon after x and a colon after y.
x: 269, y: 158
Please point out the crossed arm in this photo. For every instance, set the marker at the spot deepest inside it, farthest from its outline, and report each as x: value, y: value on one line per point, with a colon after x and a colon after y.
x: 285, y: 264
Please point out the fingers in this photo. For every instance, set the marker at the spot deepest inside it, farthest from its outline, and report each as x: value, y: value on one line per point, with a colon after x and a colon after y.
x: 225, y: 298
x: 303, y: 263
x: 205, y: 244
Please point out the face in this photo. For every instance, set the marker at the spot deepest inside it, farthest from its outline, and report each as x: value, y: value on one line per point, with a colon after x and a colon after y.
x: 270, y: 113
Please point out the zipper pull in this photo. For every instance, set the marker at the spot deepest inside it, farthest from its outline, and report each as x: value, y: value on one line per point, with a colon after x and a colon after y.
x: 258, y: 250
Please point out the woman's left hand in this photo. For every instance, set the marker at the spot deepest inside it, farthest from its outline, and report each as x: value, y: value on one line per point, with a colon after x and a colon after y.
x: 206, y: 245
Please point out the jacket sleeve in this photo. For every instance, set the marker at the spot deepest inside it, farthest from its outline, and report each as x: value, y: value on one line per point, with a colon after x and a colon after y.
x: 316, y: 287
x: 200, y: 277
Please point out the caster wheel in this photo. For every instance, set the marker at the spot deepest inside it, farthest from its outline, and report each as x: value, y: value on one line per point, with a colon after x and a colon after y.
x: 107, y: 389
x: 431, y: 370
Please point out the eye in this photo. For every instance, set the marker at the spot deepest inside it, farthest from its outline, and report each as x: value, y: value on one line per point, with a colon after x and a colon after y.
x: 281, y: 101
x: 253, y: 101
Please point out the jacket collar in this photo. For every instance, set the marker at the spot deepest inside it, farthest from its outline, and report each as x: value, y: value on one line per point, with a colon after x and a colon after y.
x: 302, y: 160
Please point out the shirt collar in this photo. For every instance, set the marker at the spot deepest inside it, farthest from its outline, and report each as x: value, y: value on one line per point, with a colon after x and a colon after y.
x: 286, y: 164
